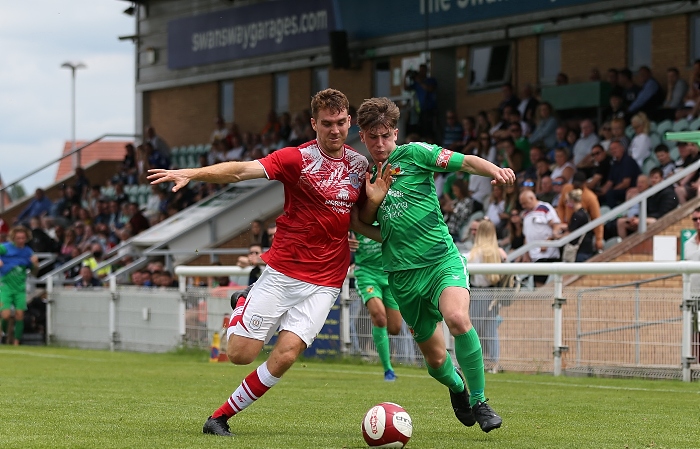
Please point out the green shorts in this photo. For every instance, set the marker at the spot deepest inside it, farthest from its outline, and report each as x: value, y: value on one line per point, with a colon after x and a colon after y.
x: 10, y: 297
x: 375, y: 284
x: 417, y: 292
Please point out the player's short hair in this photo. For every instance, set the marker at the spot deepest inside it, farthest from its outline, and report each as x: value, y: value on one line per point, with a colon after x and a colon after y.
x: 330, y: 99
x: 376, y: 112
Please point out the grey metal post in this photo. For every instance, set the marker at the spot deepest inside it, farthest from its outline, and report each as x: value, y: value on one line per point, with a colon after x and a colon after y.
x: 112, y: 313
x: 182, y: 285
x: 637, y: 329
x: 49, y: 309
x: 345, y: 317
x: 559, y: 300
x: 642, y: 227
x: 686, y: 338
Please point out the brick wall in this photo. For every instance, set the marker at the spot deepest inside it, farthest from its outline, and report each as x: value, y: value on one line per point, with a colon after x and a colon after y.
x: 526, y: 62
x: 184, y: 115
x: 356, y: 84
x: 300, y: 90
x: 602, y: 47
x: 253, y: 101
x: 669, y: 46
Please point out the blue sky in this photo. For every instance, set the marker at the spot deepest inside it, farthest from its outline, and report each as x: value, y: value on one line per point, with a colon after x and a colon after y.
x: 36, y: 37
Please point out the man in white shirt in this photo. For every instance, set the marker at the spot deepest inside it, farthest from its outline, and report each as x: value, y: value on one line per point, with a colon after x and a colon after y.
x: 582, y: 148
x: 540, y: 222
x: 480, y: 188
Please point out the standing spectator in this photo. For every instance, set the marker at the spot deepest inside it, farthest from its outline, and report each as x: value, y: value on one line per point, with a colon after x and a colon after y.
x: 640, y: 147
x: 484, y: 306
x: 156, y: 158
x: 615, y: 88
x: 650, y: 96
x: 629, y: 89
x: 15, y: 259
x: 528, y: 104
x: 623, y: 175
x: 658, y: 205
x: 37, y: 207
x: 540, y: 222
x: 666, y: 164
x: 687, y: 187
x: 425, y: 89
x: 453, y: 132
x: 676, y: 90
x: 308, y: 262
x: 157, y: 142
x: 589, y: 202
x: 579, y: 218
x: 583, y: 160
x: 220, y: 131
x: 129, y: 170
x: 258, y: 235
x: 545, y: 126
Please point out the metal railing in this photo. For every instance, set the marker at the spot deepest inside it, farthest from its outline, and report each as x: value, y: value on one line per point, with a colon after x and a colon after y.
x: 640, y: 199
x: 77, y: 151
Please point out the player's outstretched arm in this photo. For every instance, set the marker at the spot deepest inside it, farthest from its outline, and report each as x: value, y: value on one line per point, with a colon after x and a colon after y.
x: 479, y: 166
x: 223, y: 173
x: 376, y: 191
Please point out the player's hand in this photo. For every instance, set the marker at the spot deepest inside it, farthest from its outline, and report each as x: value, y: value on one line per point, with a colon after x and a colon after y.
x: 503, y: 176
x: 354, y: 243
x: 179, y: 177
x: 377, y: 190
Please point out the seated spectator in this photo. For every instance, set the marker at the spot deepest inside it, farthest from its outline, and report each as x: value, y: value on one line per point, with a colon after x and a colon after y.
x: 589, y: 202
x: 508, y: 97
x: 540, y: 222
x: 658, y: 205
x: 252, y: 260
x: 468, y: 242
x: 447, y: 193
x: 582, y: 158
x: 167, y: 280
x: 602, y: 170
x: 457, y: 211
x: 81, y: 184
x: 286, y: 124
x: 676, y: 90
x: 528, y: 104
x: 496, y: 121
x: 650, y: 96
x: 272, y: 125
x: 220, y: 131
x: 616, y: 109
x: 617, y: 127
x: 640, y: 147
x: 623, y: 175
x: 545, y: 126
x: 579, y: 218
x: 615, y: 88
x: 157, y: 143
x: 452, y: 133
x: 563, y: 167
x: 605, y: 136
x: 137, y: 221
x: 561, y: 142
x: 496, y: 209
x: 482, y: 147
x: 629, y: 89
x: 87, y: 280
x: 666, y: 164
x: 156, y: 158
x: 509, y: 156
x: 517, y: 134
x: 687, y: 187
x: 129, y: 171
x: 236, y: 152
x: 562, y: 79
x: 95, y: 259
x: 217, y: 152
x: 40, y: 242
x: 557, y: 185
x: 258, y: 235
x: 545, y: 191
x: 514, y: 236
x: 468, y: 132
x: 479, y: 188
x: 37, y: 207
x: 61, y: 209
x: 536, y: 155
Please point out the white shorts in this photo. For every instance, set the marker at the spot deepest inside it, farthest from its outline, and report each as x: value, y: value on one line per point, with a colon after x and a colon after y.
x: 278, y: 301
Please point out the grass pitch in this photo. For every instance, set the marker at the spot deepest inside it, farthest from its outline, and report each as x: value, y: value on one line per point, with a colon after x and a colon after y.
x: 68, y: 398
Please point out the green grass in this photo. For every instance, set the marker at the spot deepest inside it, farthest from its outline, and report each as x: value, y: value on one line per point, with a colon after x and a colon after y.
x: 68, y: 398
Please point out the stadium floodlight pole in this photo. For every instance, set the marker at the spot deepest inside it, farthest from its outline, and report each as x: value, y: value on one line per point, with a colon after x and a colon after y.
x: 73, y: 68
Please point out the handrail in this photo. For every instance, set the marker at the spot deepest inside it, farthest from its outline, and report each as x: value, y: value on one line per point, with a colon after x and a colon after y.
x: 641, y: 198
x: 48, y: 164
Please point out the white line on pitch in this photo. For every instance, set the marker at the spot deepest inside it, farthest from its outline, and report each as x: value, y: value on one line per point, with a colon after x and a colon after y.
x: 49, y: 356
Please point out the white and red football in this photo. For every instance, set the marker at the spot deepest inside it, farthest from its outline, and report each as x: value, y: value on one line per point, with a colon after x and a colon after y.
x: 387, y: 425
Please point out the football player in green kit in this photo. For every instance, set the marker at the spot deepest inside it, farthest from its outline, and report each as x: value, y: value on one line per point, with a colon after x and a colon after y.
x: 427, y: 275
x: 373, y: 288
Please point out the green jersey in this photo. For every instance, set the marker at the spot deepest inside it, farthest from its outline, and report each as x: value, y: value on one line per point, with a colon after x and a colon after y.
x: 369, y: 254
x: 413, y: 229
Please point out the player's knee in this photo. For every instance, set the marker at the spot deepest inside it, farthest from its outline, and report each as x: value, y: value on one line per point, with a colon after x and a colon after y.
x: 378, y: 319
x: 458, y: 323
x: 240, y: 354
x: 393, y: 328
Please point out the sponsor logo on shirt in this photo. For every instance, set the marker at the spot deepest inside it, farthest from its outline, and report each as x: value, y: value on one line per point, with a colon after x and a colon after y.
x: 354, y: 180
x: 395, y: 193
x: 443, y: 158
x: 395, y: 170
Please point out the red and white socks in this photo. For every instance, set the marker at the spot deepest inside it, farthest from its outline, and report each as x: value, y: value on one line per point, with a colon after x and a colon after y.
x: 253, y: 386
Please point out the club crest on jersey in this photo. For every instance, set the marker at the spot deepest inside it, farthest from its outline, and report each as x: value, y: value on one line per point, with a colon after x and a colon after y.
x: 395, y: 170
x: 354, y: 180
x: 370, y: 289
x: 255, y: 322
x: 443, y: 158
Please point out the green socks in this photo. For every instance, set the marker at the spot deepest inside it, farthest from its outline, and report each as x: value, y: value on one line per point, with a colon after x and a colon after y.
x: 471, y: 360
x: 381, y: 341
x: 447, y: 375
x: 19, y: 330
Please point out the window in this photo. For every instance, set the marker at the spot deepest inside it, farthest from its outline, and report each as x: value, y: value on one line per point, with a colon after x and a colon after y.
x: 320, y: 80
x: 226, y: 101
x: 281, y: 93
x: 694, y: 39
x: 550, y: 58
x: 489, y: 66
x: 382, y: 79
x: 639, y: 45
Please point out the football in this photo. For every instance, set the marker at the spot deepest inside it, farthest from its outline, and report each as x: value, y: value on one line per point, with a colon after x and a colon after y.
x: 387, y: 425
